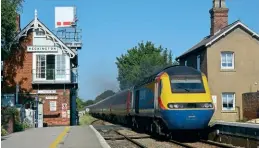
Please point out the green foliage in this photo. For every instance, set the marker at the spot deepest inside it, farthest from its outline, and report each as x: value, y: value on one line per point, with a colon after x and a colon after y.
x: 86, y: 119
x: 18, y: 126
x: 3, y: 131
x: 79, y: 104
x: 8, y: 24
x: 82, y: 104
x: 9, y: 112
x: 88, y: 102
x: 104, y: 95
x: 141, y: 62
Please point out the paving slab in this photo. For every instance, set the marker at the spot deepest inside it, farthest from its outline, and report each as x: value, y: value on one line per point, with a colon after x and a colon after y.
x: 32, y: 138
x: 84, y: 137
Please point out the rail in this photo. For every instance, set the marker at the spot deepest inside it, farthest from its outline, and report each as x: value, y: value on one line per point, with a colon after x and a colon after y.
x: 131, y: 140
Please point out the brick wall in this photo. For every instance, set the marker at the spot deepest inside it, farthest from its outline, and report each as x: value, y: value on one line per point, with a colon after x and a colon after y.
x: 251, y: 105
x: 53, y: 118
x: 17, y: 68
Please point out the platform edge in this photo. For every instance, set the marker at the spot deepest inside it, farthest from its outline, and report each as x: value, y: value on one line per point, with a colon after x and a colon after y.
x: 102, y: 141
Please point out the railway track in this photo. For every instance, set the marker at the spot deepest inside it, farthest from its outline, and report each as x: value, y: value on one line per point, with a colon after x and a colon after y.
x: 117, y: 138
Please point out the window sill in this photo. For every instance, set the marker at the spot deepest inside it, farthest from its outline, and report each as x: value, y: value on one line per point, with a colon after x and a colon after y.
x: 227, y: 70
x: 228, y: 111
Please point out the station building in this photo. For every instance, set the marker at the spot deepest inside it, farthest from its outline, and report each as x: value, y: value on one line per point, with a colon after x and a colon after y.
x: 45, y: 69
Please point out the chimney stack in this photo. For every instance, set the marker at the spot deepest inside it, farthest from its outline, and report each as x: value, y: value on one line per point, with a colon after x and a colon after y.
x: 219, y: 16
x: 18, y: 23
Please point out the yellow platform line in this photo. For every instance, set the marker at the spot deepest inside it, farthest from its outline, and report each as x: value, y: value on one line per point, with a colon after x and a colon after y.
x: 60, y: 137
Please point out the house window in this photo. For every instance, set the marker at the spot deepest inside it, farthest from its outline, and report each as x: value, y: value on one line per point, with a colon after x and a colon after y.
x: 227, y: 60
x: 185, y: 63
x: 50, y: 67
x: 228, y: 101
x: 198, y: 62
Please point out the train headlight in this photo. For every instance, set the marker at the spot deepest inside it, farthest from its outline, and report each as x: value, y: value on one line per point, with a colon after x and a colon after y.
x: 175, y: 106
x: 170, y: 106
x: 207, y: 105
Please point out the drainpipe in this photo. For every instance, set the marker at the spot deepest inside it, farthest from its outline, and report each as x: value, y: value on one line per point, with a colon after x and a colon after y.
x: 238, y: 108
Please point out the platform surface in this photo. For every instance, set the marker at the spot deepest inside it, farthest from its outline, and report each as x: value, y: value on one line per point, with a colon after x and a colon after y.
x: 81, y: 137
x: 32, y: 138
x: 55, y: 137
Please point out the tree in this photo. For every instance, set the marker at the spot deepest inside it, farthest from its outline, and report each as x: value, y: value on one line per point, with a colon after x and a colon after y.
x: 79, y: 104
x: 88, y: 102
x: 82, y: 104
x: 140, y: 62
x: 104, y: 95
x: 9, y: 10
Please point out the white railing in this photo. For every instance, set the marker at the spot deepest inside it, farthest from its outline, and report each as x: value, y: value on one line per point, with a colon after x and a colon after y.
x: 55, y: 76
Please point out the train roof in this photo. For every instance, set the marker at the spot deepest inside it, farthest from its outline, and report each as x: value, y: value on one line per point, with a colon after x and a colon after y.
x: 171, y: 70
x: 182, y: 70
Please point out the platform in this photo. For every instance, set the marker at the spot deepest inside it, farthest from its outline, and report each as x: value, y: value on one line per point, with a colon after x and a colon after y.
x: 31, y: 138
x: 84, y: 137
x: 52, y: 137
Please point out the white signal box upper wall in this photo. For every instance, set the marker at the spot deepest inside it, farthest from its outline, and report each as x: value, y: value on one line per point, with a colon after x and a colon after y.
x: 64, y: 16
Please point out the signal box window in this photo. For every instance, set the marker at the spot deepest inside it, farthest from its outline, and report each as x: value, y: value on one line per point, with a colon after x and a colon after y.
x: 227, y: 60
x: 228, y: 101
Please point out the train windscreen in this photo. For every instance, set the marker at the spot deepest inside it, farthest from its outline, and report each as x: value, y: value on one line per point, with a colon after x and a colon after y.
x: 187, y: 84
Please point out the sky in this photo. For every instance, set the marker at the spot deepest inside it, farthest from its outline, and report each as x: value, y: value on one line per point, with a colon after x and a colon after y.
x: 111, y: 27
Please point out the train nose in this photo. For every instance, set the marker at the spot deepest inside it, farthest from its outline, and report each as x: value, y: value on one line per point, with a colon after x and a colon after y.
x: 187, y: 119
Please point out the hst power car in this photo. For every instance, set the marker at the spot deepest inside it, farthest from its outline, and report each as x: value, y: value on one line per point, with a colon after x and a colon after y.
x: 175, y: 98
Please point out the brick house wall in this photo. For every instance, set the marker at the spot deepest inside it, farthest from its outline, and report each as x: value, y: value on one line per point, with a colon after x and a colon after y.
x: 251, y: 105
x: 17, y: 68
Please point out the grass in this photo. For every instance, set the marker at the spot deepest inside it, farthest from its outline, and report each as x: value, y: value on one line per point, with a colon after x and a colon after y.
x: 86, y: 119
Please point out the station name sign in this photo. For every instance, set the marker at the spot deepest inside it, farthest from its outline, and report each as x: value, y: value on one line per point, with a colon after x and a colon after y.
x: 42, y: 49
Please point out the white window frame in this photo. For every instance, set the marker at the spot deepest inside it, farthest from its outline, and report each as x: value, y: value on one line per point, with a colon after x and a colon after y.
x: 234, y: 101
x: 198, y: 62
x: 36, y: 70
x: 61, y: 70
x: 185, y: 63
x: 232, y: 61
x: 67, y: 68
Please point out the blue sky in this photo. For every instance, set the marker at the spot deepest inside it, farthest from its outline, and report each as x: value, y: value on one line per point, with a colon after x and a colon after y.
x: 111, y: 27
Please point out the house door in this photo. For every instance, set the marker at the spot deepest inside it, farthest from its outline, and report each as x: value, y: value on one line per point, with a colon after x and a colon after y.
x: 40, y: 115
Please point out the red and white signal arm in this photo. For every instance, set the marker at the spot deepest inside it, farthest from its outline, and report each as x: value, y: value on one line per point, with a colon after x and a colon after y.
x: 64, y: 16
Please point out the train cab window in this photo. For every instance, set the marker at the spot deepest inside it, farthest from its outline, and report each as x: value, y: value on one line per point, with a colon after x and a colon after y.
x: 187, y: 84
x: 160, y: 88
